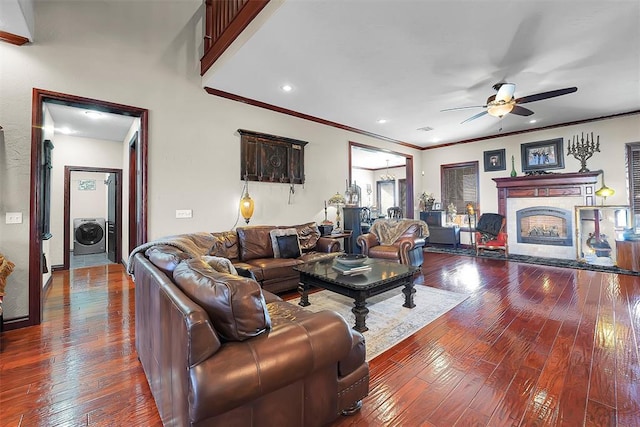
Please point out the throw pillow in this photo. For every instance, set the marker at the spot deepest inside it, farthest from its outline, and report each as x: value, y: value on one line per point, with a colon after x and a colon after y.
x: 278, y: 232
x: 288, y: 246
x: 235, y: 304
x: 308, y: 235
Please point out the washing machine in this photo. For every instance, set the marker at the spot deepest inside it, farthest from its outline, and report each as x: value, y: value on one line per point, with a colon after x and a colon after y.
x: 89, y: 236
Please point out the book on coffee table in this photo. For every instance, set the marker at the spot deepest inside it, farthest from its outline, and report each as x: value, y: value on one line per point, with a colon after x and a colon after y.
x: 345, y: 269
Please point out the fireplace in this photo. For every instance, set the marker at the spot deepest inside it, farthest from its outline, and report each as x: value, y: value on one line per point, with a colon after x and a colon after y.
x: 548, y: 234
x: 544, y: 226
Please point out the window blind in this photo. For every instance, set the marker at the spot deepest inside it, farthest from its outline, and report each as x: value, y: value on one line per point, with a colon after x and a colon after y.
x: 459, y: 185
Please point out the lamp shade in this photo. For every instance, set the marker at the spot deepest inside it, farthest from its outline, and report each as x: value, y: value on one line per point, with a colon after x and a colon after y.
x: 337, y: 200
x: 246, y: 203
x: 605, y: 191
x: 470, y: 209
x: 246, y: 207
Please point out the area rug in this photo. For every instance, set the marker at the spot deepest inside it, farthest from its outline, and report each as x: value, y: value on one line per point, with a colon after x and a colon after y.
x: 553, y: 262
x: 388, y: 321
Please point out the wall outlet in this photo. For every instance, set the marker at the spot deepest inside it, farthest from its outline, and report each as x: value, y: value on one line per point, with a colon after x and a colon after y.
x: 184, y: 213
x: 13, y: 218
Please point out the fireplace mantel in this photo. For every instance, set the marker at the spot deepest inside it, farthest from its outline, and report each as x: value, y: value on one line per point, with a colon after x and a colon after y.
x: 547, y: 185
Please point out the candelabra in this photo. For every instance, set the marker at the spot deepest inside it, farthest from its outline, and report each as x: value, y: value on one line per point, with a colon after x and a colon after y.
x: 583, y: 149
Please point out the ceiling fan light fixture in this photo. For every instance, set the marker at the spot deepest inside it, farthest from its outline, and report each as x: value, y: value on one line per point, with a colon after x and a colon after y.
x: 499, y: 110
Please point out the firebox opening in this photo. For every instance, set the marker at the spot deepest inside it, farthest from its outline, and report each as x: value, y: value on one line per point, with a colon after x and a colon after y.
x: 544, y: 226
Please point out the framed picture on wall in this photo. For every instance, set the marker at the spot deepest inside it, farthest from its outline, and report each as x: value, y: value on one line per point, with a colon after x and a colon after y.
x: 494, y: 160
x: 542, y: 155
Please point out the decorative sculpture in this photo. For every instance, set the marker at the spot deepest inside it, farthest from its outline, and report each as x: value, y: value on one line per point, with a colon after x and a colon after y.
x: 583, y: 150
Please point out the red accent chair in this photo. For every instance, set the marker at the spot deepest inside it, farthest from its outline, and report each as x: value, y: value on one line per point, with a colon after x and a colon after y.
x: 490, y: 234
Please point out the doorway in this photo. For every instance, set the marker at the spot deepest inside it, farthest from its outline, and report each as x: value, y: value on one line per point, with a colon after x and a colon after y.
x: 378, y: 181
x: 108, y: 216
x: 37, y: 207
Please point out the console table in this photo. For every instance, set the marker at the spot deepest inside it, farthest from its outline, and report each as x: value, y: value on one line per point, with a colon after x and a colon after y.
x: 444, y: 235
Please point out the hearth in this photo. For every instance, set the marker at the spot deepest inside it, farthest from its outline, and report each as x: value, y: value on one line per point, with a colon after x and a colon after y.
x: 544, y: 226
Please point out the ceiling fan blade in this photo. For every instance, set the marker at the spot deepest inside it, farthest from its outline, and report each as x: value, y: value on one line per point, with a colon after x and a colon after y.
x: 546, y: 95
x: 464, y: 108
x: 474, y: 117
x: 521, y: 111
x: 505, y: 92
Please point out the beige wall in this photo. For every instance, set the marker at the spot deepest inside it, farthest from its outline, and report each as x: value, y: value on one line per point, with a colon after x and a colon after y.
x: 120, y: 52
x: 614, y: 134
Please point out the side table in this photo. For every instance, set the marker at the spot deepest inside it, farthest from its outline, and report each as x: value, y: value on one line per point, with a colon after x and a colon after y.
x: 628, y: 254
x: 346, y: 240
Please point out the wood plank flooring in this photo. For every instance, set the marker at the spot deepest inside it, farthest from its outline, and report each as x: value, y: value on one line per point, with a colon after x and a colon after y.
x: 531, y: 346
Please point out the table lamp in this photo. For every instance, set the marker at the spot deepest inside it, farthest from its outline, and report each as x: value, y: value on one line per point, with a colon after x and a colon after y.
x: 337, y: 200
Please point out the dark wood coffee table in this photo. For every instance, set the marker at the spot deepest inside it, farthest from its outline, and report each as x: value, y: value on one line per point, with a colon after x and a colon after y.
x: 384, y: 276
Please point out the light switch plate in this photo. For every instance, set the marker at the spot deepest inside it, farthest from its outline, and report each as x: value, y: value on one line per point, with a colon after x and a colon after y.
x: 13, y: 218
x: 184, y: 213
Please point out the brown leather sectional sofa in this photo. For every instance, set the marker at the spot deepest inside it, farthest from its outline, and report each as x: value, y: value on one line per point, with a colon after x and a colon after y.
x: 250, y: 248
x: 218, y: 350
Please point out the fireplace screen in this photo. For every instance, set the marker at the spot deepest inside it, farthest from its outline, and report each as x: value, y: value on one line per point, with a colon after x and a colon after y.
x: 544, y: 226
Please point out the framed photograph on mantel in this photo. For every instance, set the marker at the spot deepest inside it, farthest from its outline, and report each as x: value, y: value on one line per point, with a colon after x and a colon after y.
x: 542, y: 155
x: 494, y: 160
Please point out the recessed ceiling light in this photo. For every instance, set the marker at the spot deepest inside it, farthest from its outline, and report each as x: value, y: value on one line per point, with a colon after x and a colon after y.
x: 532, y: 121
x: 381, y: 121
x: 286, y: 88
x: 93, y: 114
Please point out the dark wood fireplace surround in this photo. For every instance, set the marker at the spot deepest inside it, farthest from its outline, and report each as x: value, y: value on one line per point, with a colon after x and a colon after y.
x: 547, y: 185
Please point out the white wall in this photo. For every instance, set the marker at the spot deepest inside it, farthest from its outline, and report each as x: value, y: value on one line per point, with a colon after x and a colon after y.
x: 87, y: 203
x: 48, y: 126
x: 76, y: 151
x: 121, y: 52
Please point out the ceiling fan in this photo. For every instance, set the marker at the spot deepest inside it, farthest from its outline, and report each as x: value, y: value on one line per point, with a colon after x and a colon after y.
x: 503, y: 102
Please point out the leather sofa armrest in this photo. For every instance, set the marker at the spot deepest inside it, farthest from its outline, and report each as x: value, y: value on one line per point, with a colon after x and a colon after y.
x: 327, y: 244
x: 356, y: 356
x: 242, y: 371
x: 367, y: 241
x: 406, y: 245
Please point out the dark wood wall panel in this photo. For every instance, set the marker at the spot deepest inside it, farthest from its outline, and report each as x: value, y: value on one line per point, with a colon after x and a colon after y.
x: 271, y: 158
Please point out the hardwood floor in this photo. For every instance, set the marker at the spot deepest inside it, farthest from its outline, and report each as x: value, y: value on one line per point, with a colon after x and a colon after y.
x: 531, y: 345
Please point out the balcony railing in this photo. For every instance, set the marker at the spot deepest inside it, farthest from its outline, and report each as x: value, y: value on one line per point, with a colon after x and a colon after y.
x: 224, y: 21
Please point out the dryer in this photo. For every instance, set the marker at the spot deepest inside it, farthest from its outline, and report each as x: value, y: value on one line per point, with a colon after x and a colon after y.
x: 89, y: 236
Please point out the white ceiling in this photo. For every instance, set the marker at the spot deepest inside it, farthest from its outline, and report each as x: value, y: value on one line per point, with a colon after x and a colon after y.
x: 16, y: 17
x: 354, y: 62
x: 76, y: 122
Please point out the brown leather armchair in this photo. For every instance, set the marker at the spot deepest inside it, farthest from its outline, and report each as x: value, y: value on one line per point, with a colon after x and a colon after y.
x: 395, y: 240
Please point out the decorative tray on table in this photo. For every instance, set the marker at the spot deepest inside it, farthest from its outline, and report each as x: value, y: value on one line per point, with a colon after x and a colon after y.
x: 351, y: 264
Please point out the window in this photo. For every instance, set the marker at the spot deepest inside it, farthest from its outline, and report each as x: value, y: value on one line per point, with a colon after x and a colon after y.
x: 633, y: 176
x: 459, y: 185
